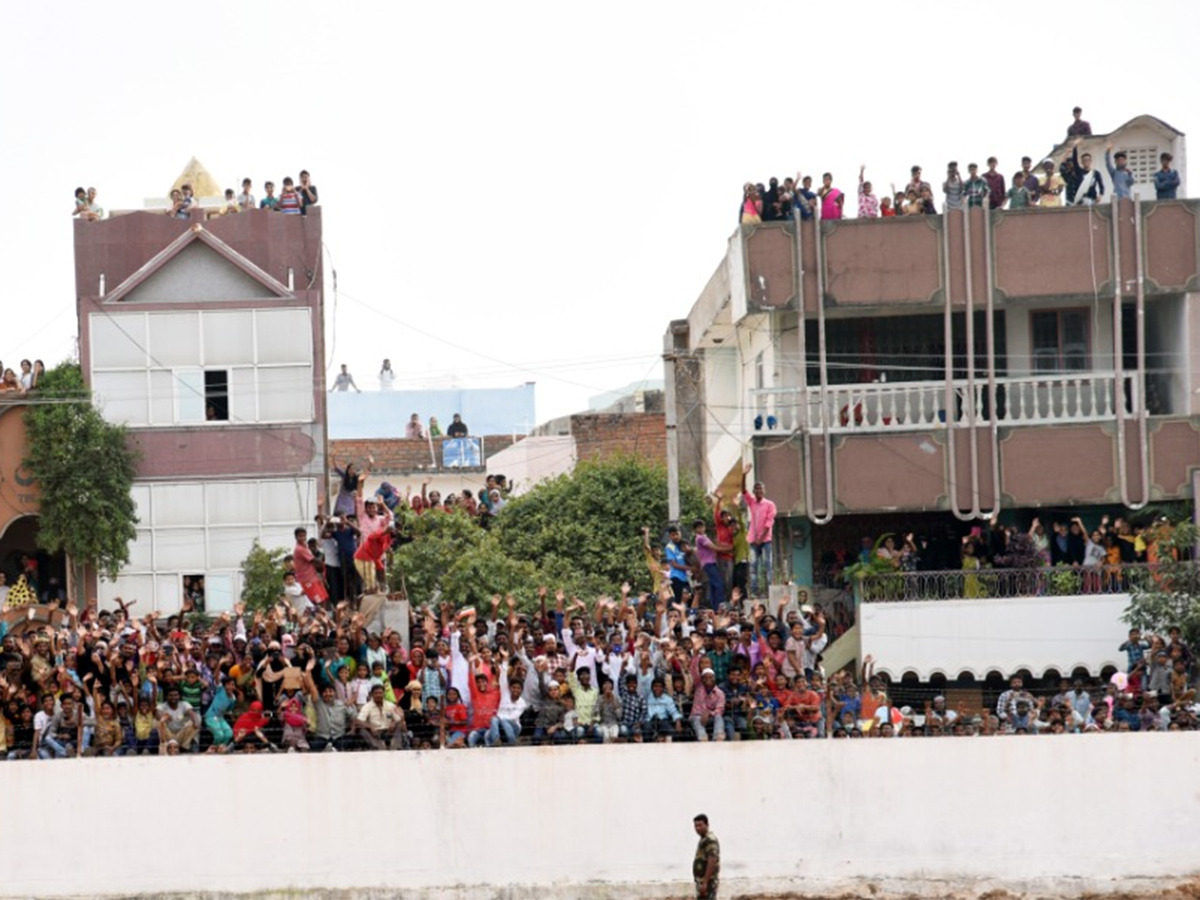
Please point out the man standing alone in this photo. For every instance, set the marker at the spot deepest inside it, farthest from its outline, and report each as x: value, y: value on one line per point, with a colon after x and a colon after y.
x: 706, y: 868
x: 760, y: 534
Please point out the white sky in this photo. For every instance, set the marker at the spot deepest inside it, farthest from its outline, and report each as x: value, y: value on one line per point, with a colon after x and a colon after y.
x: 593, y: 156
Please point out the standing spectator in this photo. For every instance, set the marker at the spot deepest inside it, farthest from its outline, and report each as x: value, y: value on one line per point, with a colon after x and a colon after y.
x: 435, y: 430
x: 806, y: 200
x: 344, y: 382
x: 387, y: 376
x: 1119, y: 175
x: 1050, y: 186
x: 952, y: 187
x: 245, y: 199
x: 706, y: 553
x: 414, y: 430
x: 1088, y: 188
x: 770, y: 201
x: 1079, y: 128
x: 995, y: 183
x: 760, y: 534
x: 289, y: 199
x: 976, y: 190
x: 94, y: 210
x: 752, y: 205
x: 1018, y: 194
x: 916, y: 184
x: 1032, y: 183
x: 308, y: 192
x: 832, y: 199
x: 270, y: 201
x: 458, y: 428
x: 81, y: 205
x: 677, y: 562
x: 868, y: 203
x: 1166, y: 179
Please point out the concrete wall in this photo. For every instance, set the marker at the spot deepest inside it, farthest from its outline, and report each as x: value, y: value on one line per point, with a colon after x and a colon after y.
x: 1006, y: 634
x: 592, y: 822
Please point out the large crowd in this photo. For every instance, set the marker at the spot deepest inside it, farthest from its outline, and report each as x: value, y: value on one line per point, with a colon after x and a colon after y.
x: 687, y: 661
x: 1071, y: 180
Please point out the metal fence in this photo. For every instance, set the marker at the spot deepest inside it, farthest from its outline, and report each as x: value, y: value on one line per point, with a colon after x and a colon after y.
x: 959, y: 584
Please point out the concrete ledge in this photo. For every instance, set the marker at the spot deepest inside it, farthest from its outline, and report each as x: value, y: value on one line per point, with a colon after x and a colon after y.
x: 1037, y: 817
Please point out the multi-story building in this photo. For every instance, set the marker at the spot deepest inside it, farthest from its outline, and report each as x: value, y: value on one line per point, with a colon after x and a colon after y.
x: 926, y: 374
x: 205, y: 337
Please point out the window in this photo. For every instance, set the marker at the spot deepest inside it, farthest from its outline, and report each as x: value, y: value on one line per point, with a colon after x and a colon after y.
x: 201, y: 395
x: 1142, y: 162
x: 1060, y: 340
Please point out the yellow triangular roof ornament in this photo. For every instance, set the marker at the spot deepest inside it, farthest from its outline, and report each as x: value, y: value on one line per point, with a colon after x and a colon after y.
x: 203, y: 184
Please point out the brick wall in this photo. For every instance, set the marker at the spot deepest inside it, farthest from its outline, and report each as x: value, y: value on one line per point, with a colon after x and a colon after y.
x: 394, y: 456
x: 606, y: 434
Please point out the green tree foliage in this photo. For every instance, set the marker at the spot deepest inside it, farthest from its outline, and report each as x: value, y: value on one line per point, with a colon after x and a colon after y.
x: 583, y: 531
x: 262, y: 577
x: 452, y: 554
x: 84, y: 470
x: 1170, y: 593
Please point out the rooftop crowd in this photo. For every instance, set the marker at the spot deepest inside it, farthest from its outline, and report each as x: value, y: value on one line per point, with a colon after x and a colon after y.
x: 294, y: 198
x: 414, y: 429
x: 18, y: 384
x: 316, y: 671
x: 1069, y: 180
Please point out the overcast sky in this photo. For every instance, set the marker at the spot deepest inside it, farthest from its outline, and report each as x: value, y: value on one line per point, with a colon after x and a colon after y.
x: 587, y: 160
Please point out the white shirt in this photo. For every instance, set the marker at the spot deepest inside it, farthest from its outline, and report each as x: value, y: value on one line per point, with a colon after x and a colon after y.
x: 387, y: 379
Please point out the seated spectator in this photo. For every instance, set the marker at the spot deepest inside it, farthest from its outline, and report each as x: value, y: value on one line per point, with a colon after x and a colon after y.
x: 458, y: 428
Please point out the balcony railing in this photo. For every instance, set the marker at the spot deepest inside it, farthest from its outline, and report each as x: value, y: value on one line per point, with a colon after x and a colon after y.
x: 921, y: 405
x: 965, y: 584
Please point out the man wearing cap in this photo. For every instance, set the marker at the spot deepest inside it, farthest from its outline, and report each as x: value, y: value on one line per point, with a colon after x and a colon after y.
x: 1079, y: 128
x: 708, y: 706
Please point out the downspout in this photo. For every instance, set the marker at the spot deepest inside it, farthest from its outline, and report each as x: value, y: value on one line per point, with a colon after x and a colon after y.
x: 826, y: 517
x: 970, y: 348
x: 948, y: 403
x: 989, y: 267
x: 1142, y: 411
x: 803, y: 405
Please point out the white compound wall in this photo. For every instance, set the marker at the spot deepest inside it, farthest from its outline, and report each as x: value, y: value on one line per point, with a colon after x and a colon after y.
x: 1057, y: 814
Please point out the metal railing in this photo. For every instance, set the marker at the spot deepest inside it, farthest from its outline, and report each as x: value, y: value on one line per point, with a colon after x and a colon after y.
x: 921, y: 405
x: 964, y: 584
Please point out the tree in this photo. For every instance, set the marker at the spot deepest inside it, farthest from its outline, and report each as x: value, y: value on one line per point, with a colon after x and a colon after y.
x: 1169, y: 592
x: 584, y: 530
x: 262, y: 576
x: 450, y: 553
x: 84, y: 471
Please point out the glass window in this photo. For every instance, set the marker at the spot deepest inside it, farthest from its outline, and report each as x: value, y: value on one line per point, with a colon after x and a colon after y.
x: 1059, y: 339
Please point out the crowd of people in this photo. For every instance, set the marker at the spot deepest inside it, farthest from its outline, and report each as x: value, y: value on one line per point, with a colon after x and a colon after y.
x: 1100, y: 555
x: 631, y: 668
x: 295, y: 197
x: 17, y: 384
x: 1070, y: 181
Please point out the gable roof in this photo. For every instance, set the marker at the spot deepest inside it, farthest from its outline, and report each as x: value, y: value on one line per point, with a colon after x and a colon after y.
x: 197, y: 233
x: 1145, y: 119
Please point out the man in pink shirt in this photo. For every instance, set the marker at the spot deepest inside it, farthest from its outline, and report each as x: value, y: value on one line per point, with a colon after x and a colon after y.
x: 760, y: 533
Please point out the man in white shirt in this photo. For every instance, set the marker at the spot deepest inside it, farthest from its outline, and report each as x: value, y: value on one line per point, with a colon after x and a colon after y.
x: 506, y: 724
x: 387, y: 376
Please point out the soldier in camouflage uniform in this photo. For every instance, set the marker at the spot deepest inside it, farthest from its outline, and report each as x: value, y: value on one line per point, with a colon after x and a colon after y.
x: 706, y: 868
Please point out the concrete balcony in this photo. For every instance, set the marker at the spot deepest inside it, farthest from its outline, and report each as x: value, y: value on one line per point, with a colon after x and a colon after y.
x: 894, y: 407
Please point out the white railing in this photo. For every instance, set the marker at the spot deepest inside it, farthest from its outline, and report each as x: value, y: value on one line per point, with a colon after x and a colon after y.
x: 921, y: 405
